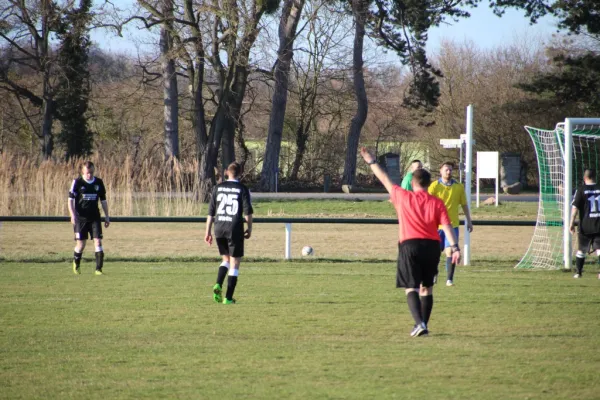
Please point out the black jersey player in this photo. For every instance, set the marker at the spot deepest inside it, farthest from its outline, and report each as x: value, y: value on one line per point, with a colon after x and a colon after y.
x: 230, y: 206
x: 586, y: 203
x: 85, y: 193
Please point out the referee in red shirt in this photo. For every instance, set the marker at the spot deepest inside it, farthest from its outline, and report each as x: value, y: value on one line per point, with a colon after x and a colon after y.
x: 419, y: 215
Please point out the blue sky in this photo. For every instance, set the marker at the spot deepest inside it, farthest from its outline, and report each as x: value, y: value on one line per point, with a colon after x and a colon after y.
x: 487, y: 30
x: 483, y: 28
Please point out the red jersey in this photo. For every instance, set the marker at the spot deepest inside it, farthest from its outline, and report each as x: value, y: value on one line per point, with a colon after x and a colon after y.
x: 419, y: 214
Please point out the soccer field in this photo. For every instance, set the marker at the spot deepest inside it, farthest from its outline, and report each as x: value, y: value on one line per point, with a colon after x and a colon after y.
x: 300, y: 330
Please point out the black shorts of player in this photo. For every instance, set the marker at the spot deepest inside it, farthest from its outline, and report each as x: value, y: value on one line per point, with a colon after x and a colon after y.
x: 85, y: 229
x: 418, y: 261
x: 233, y: 247
x: 588, y: 243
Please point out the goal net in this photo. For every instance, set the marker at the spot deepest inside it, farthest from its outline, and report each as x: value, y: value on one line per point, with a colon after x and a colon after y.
x: 562, y: 155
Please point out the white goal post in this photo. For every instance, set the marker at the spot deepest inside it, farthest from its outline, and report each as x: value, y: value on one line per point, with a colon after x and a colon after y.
x: 562, y: 155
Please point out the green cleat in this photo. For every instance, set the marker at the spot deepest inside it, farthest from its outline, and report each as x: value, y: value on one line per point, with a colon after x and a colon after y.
x: 98, y: 272
x: 217, y: 293
x: 227, y: 301
x: 76, y: 270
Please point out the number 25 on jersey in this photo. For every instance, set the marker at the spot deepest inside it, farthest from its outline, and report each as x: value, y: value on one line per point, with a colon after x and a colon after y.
x: 228, y: 204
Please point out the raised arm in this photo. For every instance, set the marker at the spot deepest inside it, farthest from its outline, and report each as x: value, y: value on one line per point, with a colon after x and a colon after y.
x: 377, y: 170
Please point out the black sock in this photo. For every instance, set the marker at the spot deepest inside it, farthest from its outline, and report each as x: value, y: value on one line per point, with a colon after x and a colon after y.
x: 451, y: 272
x: 414, y: 305
x: 221, y: 275
x: 77, y: 258
x: 426, y: 307
x: 231, y: 282
x: 99, y: 260
x: 579, y: 263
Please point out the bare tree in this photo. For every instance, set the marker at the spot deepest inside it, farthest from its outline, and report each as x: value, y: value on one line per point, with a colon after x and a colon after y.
x: 288, y: 24
x: 322, y: 43
x: 26, y: 31
x: 169, y: 75
x: 359, y: 13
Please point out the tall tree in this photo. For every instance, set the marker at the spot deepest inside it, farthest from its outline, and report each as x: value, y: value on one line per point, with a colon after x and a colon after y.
x: 327, y: 27
x: 575, y: 78
x: 218, y: 35
x: 359, y: 14
x: 288, y: 24
x: 73, y: 88
x: 162, y: 13
x: 169, y: 75
x: 28, y: 72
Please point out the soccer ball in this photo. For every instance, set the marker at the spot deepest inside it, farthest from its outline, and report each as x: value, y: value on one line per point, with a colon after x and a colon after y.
x: 307, y: 251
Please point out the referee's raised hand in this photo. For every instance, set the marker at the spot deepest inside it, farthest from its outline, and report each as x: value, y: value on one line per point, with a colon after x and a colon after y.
x: 366, y: 155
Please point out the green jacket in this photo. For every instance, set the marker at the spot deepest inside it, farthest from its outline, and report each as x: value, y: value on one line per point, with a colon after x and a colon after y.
x: 406, y: 182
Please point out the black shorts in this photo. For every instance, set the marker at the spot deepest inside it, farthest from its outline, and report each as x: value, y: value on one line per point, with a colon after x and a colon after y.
x: 233, y: 247
x: 418, y: 261
x: 588, y: 243
x: 85, y: 229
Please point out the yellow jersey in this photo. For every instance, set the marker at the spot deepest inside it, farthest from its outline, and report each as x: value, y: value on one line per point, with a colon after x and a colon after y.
x: 452, y: 194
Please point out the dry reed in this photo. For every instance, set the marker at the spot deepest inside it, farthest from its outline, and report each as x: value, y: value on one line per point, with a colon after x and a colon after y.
x: 153, y: 188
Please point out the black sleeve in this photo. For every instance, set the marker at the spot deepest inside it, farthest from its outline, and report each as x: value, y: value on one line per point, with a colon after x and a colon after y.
x: 247, y: 202
x: 73, y: 191
x: 212, y: 203
x: 102, y: 191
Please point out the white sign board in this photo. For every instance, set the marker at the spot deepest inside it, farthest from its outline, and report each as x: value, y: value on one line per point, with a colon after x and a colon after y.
x: 487, y: 168
x: 451, y: 143
x: 487, y: 164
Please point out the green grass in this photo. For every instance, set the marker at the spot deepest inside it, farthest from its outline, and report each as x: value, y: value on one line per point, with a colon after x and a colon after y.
x: 380, y: 209
x: 300, y: 330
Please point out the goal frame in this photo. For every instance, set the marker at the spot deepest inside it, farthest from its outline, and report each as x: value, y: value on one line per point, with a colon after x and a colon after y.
x: 566, y: 151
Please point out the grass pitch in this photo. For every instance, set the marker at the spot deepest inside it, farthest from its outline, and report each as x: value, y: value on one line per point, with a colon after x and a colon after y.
x: 317, y: 330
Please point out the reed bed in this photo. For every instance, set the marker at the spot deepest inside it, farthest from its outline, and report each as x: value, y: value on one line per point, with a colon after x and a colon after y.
x: 146, y: 188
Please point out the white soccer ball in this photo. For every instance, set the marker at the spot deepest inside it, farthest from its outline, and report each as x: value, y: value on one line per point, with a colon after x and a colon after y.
x: 307, y: 251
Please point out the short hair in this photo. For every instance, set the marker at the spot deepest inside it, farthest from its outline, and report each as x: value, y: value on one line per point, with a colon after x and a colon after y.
x: 422, y: 177
x: 87, y: 164
x: 448, y: 163
x: 589, y: 173
x: 235, y: 169
x: 415, y: 161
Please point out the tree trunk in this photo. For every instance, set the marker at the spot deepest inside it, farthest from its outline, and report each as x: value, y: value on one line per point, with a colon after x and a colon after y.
x: 359, y: 9
x: 301, y: 139
x: 47, y: 140
x: 288, y: 24
x: 170, y: 91
x: 228, y: 135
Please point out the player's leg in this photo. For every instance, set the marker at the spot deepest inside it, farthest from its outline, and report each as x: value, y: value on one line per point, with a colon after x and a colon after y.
x: 222, y: 244
x: 584, y: 247
x: 408, y: 276
x: 450, y: 267
x: 232, y: 279
x: 430, y: 271
x: 77, y: 255
x: 236, y: 248
x: 81, y: 234
x: 99, y: 251
x: 442, y: 236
